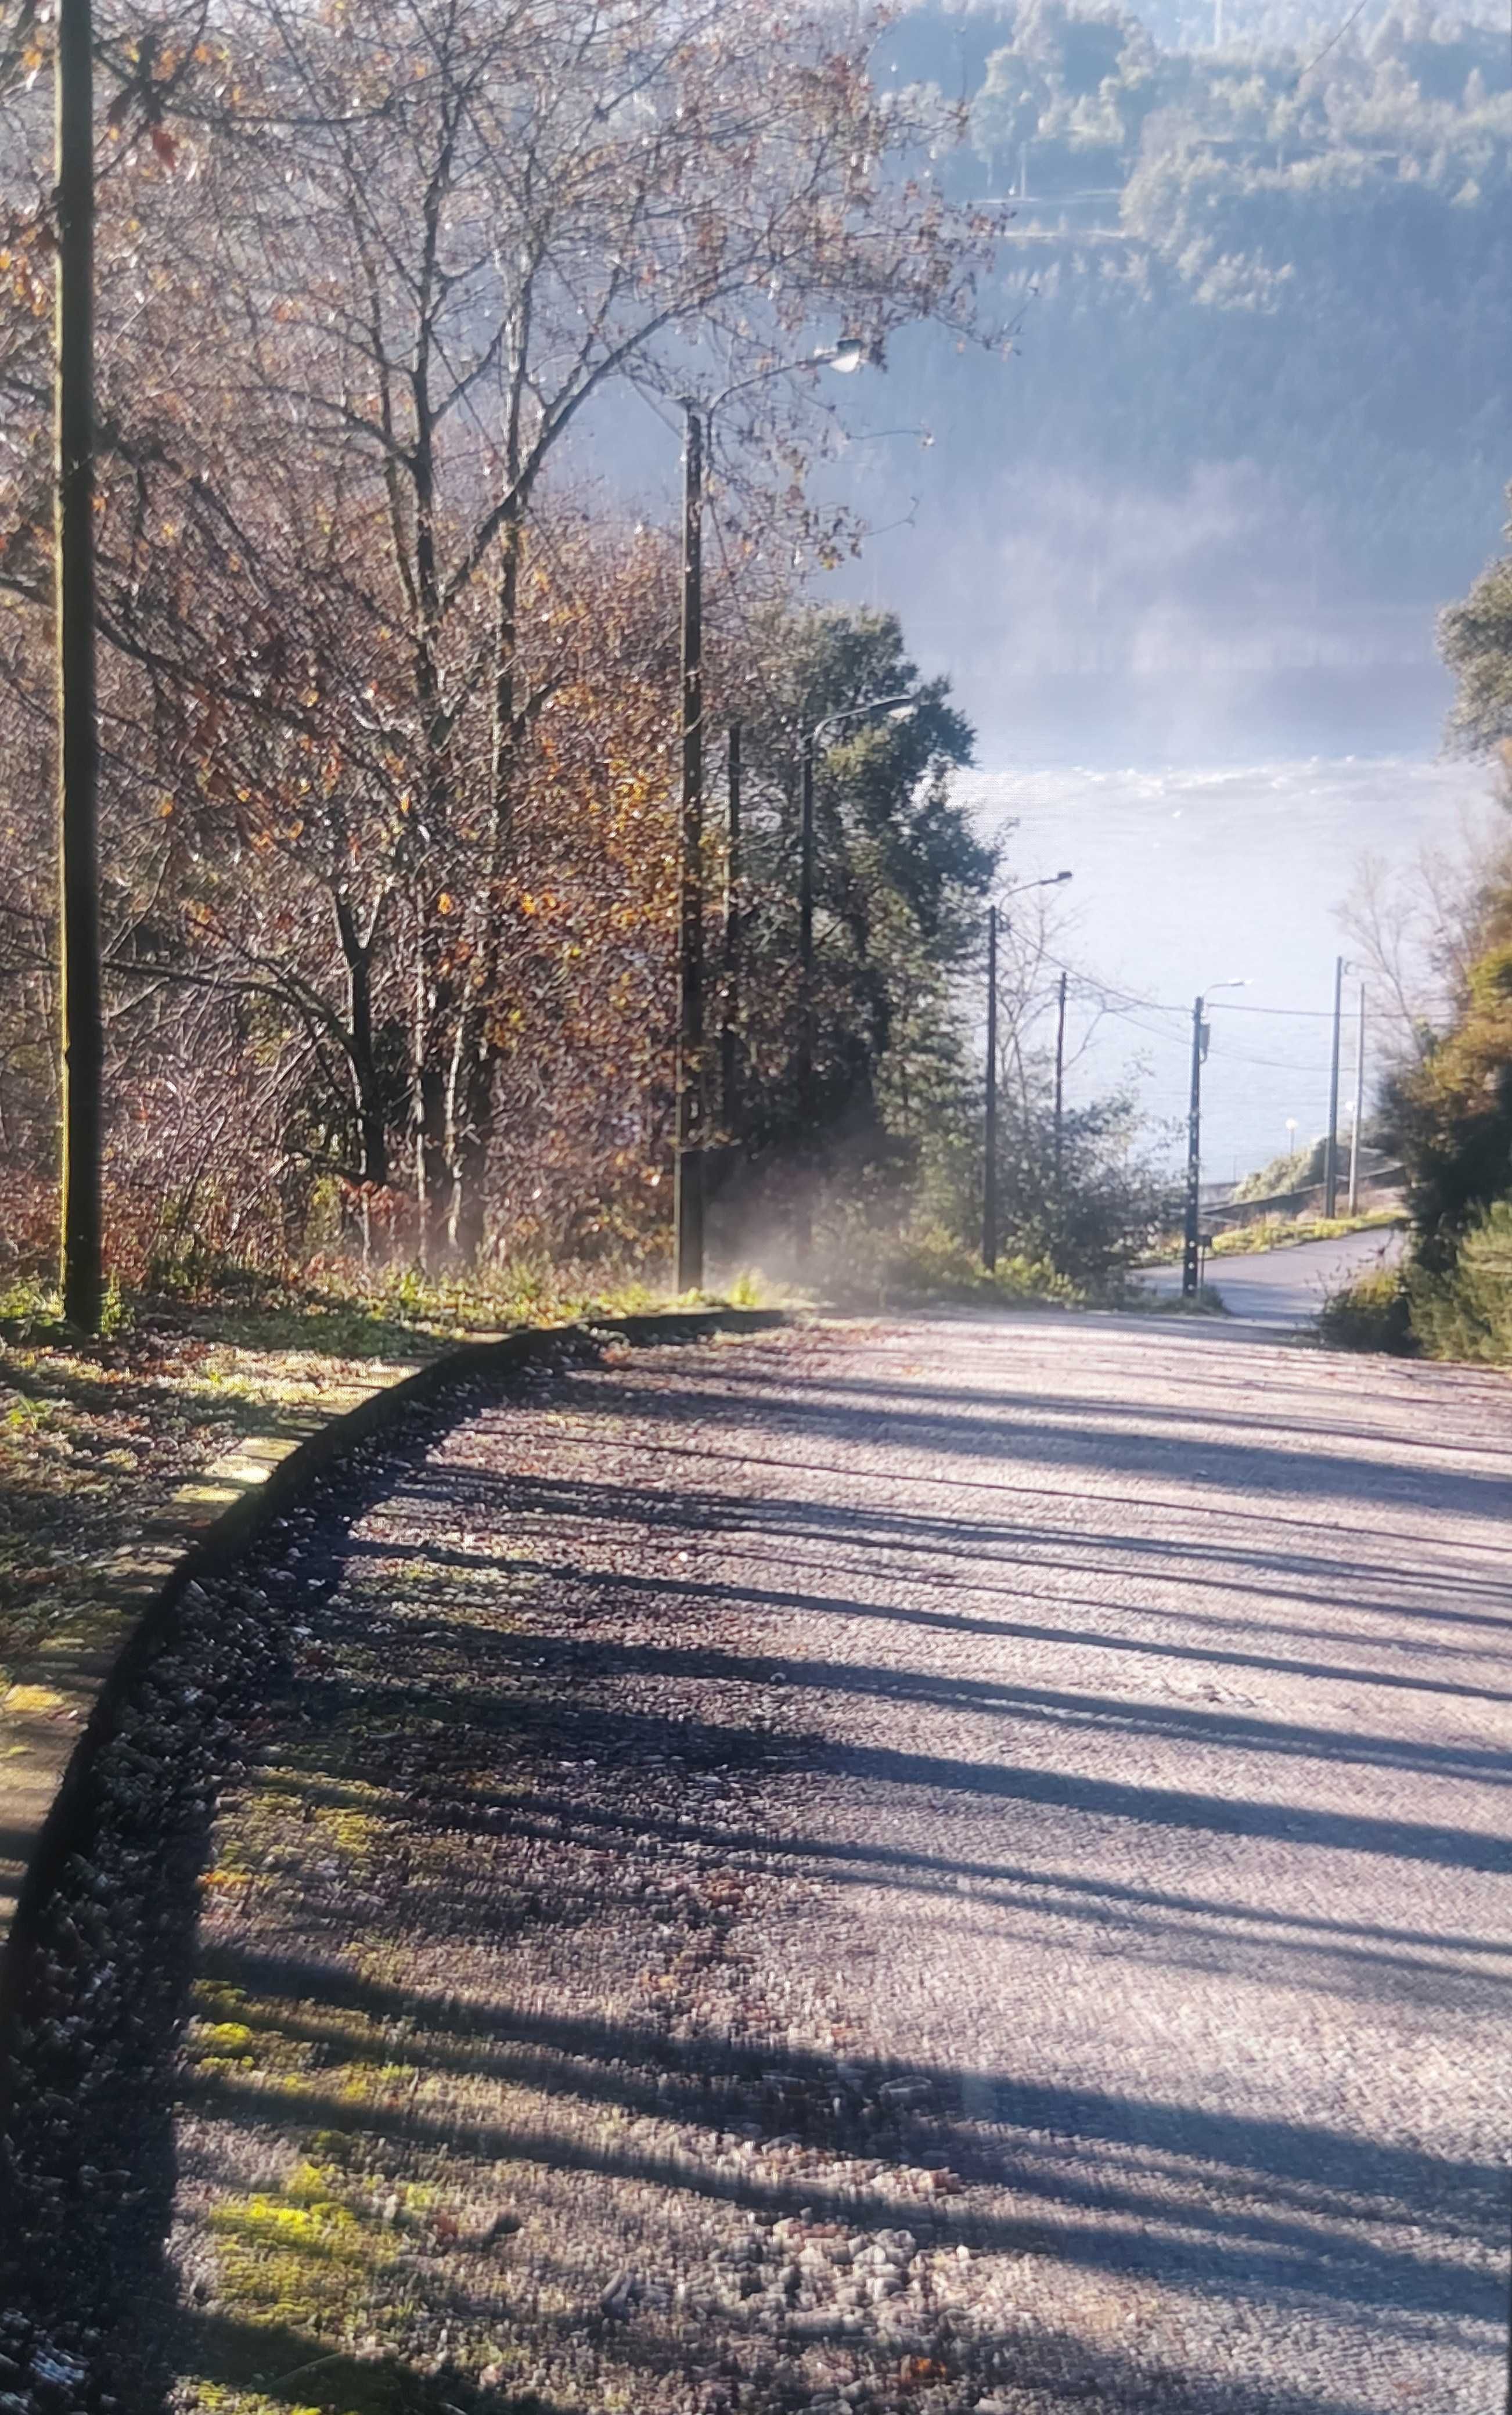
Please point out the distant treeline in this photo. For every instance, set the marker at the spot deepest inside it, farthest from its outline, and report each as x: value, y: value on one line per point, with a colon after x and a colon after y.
x: 1297, y: 259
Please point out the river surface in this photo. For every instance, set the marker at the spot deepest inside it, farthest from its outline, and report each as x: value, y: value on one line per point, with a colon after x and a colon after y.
x: 1185, y: 877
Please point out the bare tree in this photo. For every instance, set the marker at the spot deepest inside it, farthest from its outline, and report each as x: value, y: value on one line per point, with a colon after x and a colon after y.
x: 1414, y: 928
x: 366, y: 273
x: 446, y: 230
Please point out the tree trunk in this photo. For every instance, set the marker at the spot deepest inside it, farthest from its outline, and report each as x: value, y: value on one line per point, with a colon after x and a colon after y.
x: 434, y: 1000
x: 372, y: 1127
x: 473, y: 1108
x: 429, y: 1097
x: 470, y: 1204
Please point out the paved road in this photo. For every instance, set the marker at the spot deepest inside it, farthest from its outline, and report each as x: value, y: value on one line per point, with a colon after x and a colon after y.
x: 1287, y: 1286
x: 936, y: 1865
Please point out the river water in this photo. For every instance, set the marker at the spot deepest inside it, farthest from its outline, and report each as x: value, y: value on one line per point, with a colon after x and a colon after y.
x: 1187, y: 877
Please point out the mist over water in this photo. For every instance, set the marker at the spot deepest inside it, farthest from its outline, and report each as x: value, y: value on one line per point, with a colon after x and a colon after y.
x: 1187, y: 875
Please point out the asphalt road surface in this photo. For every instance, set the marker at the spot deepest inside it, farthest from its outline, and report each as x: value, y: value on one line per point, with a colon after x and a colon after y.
x: 932, y: 1866
x: 1286, y: 1286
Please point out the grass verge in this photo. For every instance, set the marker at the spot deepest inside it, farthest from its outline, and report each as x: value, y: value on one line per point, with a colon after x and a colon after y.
x: 96, y: 1438
x: 1280, y: 1233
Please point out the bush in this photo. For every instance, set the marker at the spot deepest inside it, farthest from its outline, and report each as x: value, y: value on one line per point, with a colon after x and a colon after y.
x: 1466, y: 1310
x: 877, y: 1267
x: 1292, y: 1171
x: 1373, y: 1312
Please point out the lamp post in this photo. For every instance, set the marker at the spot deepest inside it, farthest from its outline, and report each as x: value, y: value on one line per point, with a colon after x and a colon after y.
x: 1357, y: 1110
x: 1192, y: 1238
x: 729, y: 999
x: 687, y: 1183
x: 688, y: 1171
x: 989, y: 1177
x: 1331, y: 1158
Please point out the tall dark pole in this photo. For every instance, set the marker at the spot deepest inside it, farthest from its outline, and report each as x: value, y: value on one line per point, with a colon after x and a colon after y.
x: 1195, y: 1116
x: 688, y: 1202
x: 1359, y: 1109
x: 989, y: 1170
x: 805, y: 928
x: 1330, y: 1156
x: 804, y: 1203
x: 729, y: 1101
x: 1061, y: 1083
x: 77, y: 734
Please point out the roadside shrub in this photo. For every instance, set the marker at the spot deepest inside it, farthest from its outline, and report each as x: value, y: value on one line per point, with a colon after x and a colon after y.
x: 925, y: 1261
x: 1287, y: 1232
x: 1466, y: 1310
x: 1292, y: 1171
x: 1373, y: 1312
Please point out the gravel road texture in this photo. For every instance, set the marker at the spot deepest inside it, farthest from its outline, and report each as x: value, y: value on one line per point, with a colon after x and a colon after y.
x: 942, y: 1865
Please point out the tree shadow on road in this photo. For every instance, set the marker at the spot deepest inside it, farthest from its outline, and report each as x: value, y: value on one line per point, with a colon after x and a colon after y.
x: 414, y: 1759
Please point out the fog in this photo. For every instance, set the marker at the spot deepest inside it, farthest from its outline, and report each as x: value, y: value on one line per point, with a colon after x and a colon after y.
x: 1181, y: 548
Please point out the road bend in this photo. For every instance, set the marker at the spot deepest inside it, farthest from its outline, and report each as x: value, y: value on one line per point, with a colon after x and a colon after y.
x: 940, y: 1864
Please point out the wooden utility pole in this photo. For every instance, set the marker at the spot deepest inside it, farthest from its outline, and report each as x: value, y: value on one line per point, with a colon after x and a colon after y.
x: 729, y: 1101
x: 989, y: 1172
x: 1191, y: 1234
x: 1359, y: 1110
x: 1330, y: 1156
x: 688, y: 1189
x: 1061, y: 1083
x: 807, y: 1155
x: 83, y: 1051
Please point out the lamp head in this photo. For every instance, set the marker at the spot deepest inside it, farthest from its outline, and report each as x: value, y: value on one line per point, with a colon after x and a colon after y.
x: 851, y: 353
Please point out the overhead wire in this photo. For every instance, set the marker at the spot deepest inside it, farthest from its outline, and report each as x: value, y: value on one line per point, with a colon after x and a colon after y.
x: 1130, y: 1015
x: 1334, y: 39
x: 1232, y: 1006
x: 1160, y: 1006
x: 1110, y: 989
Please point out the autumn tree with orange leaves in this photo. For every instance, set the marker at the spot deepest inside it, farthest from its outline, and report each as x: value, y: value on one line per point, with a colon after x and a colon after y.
x: 386, y: 784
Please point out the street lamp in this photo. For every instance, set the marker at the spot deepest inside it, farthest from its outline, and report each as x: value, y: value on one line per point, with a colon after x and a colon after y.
x: 989, y: 1180
x: 846, y: 357
x: 1357, y: 1110
x: 1330, y: 1154
x: 1192, y: 1242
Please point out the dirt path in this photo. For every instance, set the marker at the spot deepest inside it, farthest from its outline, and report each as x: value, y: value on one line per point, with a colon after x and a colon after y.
x: 942, y: 1866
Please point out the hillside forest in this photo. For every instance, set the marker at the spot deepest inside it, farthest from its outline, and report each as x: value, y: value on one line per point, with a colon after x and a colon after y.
x: 1262, y: 294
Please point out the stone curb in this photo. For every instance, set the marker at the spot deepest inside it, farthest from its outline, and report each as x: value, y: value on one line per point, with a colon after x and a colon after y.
x: 45, y: 1706
x: 60, y: 1716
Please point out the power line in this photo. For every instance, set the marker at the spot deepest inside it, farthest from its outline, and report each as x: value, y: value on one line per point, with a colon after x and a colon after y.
x: 1277, y: 1064
x: 1230, y: 1057
x: 1226, y: 1006
x: 1160, y: 1006
x: 1178, y: 1039
x: 1358, y: 11
x: 1109, y: 989
x: 1171, y: 1039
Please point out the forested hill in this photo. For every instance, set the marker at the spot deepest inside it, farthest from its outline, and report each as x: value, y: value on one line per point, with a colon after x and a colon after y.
x: 1266, y: 309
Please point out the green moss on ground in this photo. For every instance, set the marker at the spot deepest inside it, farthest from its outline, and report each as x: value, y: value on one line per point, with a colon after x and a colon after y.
x: 96, y: 1438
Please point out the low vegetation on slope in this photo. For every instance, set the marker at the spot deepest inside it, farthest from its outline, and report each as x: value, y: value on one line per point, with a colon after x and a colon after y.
x: 1450, y: 1101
